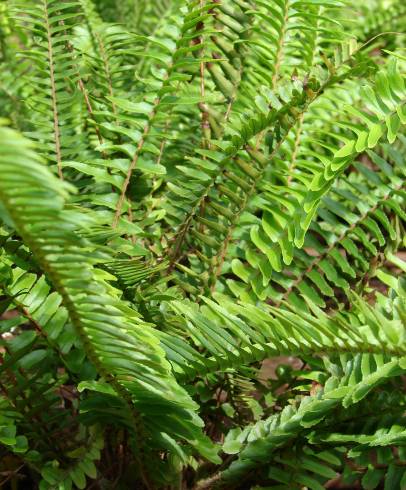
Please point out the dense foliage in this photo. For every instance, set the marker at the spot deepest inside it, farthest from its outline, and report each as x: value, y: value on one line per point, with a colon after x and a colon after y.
x: 202, y: 225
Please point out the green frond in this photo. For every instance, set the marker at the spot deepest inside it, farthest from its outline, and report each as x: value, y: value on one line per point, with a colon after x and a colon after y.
x: 380, y: 19
x: 55, y: 103
x: 228, y: 336
x: 259, y: 441
x: 339, y: 246
x: 285, y: 227
x: 37, y: 339
x: 202, y: 244
x: 105, y: 324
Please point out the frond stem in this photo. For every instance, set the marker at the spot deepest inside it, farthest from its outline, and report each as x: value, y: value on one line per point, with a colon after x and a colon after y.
x: 132, y: 167
x: 298, y: 138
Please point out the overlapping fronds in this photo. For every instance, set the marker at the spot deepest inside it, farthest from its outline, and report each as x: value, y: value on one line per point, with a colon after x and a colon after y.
x: 228, y: 336
x: 360, y: 375
x: 202, y: 243
x: 340, y: 247
x: 106, y: 326
x: 283, y: 227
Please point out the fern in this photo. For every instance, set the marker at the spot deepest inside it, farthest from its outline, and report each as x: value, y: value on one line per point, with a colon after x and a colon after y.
x: 202, y: 233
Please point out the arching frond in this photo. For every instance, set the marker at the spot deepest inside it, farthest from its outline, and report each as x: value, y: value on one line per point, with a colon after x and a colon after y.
x: 202, y: 244
x: 104, y: 324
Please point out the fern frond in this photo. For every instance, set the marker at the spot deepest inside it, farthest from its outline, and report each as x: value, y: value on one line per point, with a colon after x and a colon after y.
x: 55, y: 93
x: 360, y: 376
x: 104, y: 323
x: 339, y: 246
x: 205, y: 175
x: 219, y: 265
x: 39, y: 345
x: 280, y: 231
x: 229, y: 336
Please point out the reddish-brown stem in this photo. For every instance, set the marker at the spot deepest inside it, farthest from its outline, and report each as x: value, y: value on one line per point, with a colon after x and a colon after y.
x: 90, y: 109
x: 130, y: 171
x: 107, y: 71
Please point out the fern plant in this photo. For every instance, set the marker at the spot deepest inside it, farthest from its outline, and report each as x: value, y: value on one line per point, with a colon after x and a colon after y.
x: 202, y: 231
